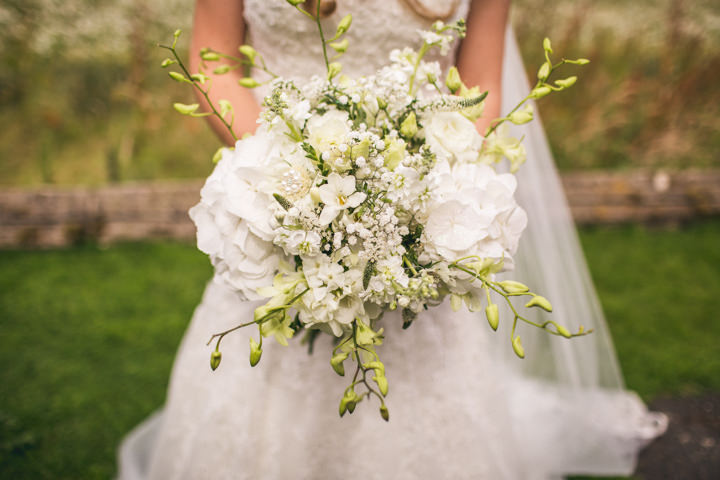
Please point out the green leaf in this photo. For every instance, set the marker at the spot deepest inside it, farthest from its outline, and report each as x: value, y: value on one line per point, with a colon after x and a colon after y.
x: 368, y: 273
x: 284, y: 202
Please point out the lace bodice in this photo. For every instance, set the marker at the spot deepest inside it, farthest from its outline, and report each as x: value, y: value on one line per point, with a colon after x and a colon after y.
x: 291, y: 46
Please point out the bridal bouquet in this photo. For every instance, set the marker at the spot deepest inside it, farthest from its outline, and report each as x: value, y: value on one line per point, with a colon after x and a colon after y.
x: 360, y: 196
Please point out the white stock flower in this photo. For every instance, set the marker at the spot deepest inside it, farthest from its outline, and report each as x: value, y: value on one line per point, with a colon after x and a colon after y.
x: 337, y: 195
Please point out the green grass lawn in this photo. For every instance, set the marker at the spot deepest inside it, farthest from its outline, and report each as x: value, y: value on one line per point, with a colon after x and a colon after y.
x: 88, y: 335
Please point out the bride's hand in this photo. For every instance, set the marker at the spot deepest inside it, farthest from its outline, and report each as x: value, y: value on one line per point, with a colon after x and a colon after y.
x: 218, y: 24
x: 481, y: 54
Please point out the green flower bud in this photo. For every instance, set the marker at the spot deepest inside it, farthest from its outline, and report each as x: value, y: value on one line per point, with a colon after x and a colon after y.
x: 248, y: 82
x: 179, y: 77
x: 540, y: 91
x: 566, y: 82
x: 344, y: 25
x: 518, y: 348
x: 384, y: 413
x: 333, y: 69
x: 544, y: 71
x: 382, y: 103
x: 522, y: 116
x: 340, y: 47
x: 255, y: 352
x: 343, y: 406
x: 295, y: 3
x: 215, y: 358
x: 209, y: 56
x: 493, y: 317
x: 249, y: 52
x: 186, y: 109
x: 538, y: 301
x: 452, y: 80
x: 201, y: 78
x: 409, y: 127
x: 581, y: 61
x: 382, y: 384
x: 394, y: 153
x: 377, y: 366
x: 167, y: 62
x: 361, y: 149
x: 511, y: 286
x: 337, y: 363
x: 222, y: 70
x: 177, y: 33
x: 351, y: 406
x: 547, y: 46
x: 563, y: 331
x: 350, y: 396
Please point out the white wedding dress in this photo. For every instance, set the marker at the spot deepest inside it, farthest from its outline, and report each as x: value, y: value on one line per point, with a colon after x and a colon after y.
x: 461, y: 404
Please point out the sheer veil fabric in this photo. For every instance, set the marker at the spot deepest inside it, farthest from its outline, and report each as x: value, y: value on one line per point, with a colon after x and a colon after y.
x: 461, y: 404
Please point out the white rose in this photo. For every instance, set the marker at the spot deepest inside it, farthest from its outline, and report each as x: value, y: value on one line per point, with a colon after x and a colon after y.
x: 451, y: 136
x: 328, y: 131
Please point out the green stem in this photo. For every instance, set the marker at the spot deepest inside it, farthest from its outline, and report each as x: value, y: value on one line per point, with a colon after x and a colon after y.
x: 423, y: 50
x: 409, y: 264
x: 204, y: 93
x: 322, y: 36
x: 259, y: 320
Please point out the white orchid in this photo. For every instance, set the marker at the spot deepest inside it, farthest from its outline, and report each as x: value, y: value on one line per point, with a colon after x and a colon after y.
x: 337, y: 195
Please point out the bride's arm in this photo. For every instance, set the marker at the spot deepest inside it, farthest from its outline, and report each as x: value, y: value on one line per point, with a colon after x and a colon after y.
x: 219, y: 25
x: 481, y: 53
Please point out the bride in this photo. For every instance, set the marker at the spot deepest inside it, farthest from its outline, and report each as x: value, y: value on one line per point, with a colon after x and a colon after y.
x: 462, y: 405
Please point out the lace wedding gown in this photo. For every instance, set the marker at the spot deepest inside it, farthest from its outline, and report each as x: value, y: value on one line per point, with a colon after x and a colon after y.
x: 461, y: 404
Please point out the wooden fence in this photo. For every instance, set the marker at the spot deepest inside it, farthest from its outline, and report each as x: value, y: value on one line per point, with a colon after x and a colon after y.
x: 56, y: 216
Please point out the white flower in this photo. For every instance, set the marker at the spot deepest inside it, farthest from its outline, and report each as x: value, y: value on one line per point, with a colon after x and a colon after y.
x: 337, y: 195
x: 452, y: 136
x: 474, y: 212
x: 454, y: 228
x: 301, y: 242
x: 328, y: 130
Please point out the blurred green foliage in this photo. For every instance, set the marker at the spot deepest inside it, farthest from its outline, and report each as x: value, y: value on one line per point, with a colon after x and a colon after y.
x: 83, y: 100
x: 89, y: 334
